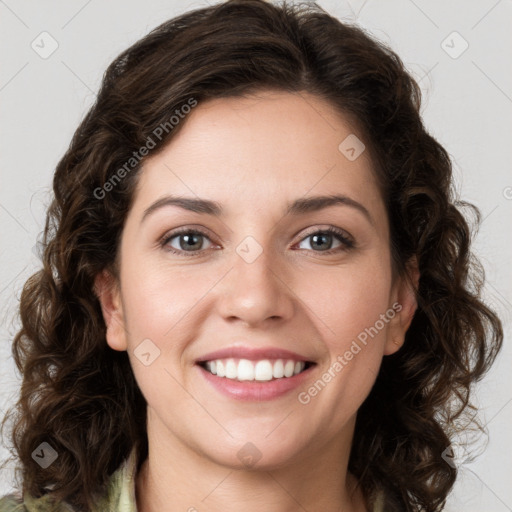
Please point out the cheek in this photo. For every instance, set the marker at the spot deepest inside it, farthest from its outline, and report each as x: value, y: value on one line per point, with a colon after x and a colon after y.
x: 158, y: 300
x: 347, y: 308
x: 160, y: 318
x: 347, y: 301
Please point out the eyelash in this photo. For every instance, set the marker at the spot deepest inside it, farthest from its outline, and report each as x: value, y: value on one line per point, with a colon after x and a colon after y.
x: 347, y: 243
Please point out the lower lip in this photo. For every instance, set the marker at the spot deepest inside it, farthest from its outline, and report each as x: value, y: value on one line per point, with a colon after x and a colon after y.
x: 255, y: 390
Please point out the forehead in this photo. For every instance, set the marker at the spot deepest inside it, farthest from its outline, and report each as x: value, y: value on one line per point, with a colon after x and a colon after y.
x: 264, y: 149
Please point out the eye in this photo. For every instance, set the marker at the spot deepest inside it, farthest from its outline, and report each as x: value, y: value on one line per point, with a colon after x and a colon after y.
x: 323, y: 238
x: 187, y: 240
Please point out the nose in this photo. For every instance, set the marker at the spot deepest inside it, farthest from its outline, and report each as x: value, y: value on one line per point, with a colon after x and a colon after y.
x: 256, y: 291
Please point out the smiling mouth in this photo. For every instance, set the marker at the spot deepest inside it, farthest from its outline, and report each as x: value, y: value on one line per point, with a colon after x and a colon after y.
x: 258, y: 371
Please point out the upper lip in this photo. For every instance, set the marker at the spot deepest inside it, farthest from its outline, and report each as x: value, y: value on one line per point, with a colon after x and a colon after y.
x: 252, y: 354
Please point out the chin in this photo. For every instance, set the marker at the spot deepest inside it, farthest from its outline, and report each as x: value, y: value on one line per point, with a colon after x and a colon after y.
x: 255, y: 453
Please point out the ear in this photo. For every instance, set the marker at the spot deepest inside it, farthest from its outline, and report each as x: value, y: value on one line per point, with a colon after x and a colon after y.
x: 403, y: 300
x: 107, y: 290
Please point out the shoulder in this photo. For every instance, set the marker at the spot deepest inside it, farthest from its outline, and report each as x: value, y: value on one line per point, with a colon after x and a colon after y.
x: 12, y: 503
x: 119, y: 495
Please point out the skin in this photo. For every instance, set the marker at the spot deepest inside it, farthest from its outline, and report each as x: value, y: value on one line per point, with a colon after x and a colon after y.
x: 253, y: 155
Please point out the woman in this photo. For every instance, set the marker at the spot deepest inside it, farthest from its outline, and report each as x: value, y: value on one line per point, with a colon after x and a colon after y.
x: 188, y: 344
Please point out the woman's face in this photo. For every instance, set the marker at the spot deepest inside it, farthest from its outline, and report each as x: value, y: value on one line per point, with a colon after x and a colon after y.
x: 261, y: 277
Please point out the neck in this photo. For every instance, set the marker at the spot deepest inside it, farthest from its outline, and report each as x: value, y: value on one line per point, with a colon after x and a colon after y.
x: 175, y: 477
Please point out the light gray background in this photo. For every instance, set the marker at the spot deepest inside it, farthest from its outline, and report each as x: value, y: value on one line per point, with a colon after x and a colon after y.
x: 467, y: 107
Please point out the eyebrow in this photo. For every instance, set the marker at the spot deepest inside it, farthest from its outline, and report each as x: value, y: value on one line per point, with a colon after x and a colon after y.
x: 298, y: 207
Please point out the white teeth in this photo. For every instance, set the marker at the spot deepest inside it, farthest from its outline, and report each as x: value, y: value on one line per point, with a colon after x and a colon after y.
x: 278, y: 369
x: 220, y: 369
x: 263, y: 370
x: 289, y: 368
x: 245, y: 370
x: 231, y: 369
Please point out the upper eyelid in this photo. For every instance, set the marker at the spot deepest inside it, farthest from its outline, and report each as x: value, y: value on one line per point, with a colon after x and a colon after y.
x: 315, y: 229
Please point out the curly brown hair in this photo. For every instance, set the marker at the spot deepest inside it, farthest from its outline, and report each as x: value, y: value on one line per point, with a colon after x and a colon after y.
x: 81, y: 397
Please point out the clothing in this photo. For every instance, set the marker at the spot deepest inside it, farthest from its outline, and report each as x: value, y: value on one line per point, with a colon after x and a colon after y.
x: 120, y: 495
